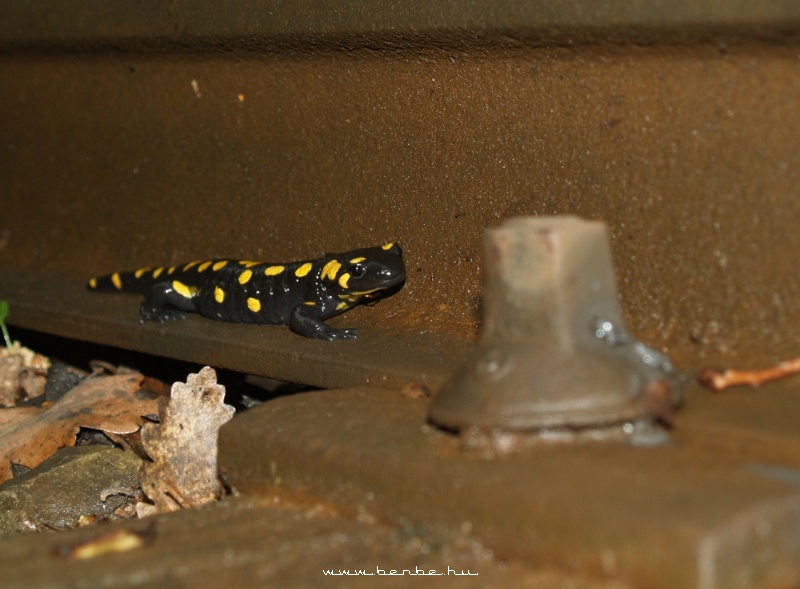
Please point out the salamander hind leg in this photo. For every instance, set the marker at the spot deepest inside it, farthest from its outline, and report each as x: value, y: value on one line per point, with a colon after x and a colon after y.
x: 164, y: 302
x: 305, y: 320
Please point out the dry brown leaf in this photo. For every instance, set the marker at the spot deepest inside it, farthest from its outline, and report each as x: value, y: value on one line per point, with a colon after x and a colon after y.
x: 184, y: 445
x: 11, y: 416
x: 113, y: 404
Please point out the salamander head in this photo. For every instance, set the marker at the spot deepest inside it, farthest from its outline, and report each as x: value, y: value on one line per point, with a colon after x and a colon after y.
x: 365, y: 272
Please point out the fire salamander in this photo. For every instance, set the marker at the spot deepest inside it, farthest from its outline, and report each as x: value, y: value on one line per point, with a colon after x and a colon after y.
x: 298, y: 294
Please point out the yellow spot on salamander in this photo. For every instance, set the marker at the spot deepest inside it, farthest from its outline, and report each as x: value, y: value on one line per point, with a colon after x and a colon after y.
x: 248, y: 263
x: 387, y: 246
x: 172, y: 269
x: 303, y: 270
x: 157, y: 272
x: 354, y: 297
x: 220, y: 265
x: 357, y: 260
x: 342, y: 306
x: 190, y: 265
x: 219, y: 294
x: 93, y: 283
x: 330, y: 269
x: 245, y: 276
x: 310, y: 303
x: 183, y: 290
x: 203, y: 267
x: 253, y: 304
x: 274, y: 270
x: 141, y: 271
x: 116, y: 280
x: 344, y: 279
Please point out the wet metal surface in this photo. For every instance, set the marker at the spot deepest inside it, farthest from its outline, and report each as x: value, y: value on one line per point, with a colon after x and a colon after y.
x: 254, y: 544
x: 536, y: 21
x: 553, y: 351
x: 62, y: 305
x: 688, y: 152
x: 689, y: 515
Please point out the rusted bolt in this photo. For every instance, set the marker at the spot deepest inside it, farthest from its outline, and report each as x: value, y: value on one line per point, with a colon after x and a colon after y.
x: 553, y: 351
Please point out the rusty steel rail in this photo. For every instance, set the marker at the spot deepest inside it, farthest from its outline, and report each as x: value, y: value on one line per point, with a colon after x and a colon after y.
x: 86, y: 24
x: 121, y: 159
x: 61, y: 306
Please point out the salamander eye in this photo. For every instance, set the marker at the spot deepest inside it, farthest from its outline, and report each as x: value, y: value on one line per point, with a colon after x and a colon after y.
x: 358, y: 271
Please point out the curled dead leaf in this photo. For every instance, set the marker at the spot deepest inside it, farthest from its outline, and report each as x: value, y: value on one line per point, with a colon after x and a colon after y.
x: 23, y: 374
x: 183, y: 446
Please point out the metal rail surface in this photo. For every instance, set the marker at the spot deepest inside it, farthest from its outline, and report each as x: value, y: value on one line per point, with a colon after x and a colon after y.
x: 119, y: 153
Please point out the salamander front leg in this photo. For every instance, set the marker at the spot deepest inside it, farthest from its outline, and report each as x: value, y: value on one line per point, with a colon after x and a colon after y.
x: 305, y: 320
x: 163, y: 303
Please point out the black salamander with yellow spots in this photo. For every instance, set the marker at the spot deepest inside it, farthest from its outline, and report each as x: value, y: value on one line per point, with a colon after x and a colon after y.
x: 301, y: 294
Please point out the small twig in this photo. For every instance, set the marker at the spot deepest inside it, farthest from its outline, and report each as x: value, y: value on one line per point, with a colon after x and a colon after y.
x: 718, y: 379
x: 6, y: 336
x: 3, y: 315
